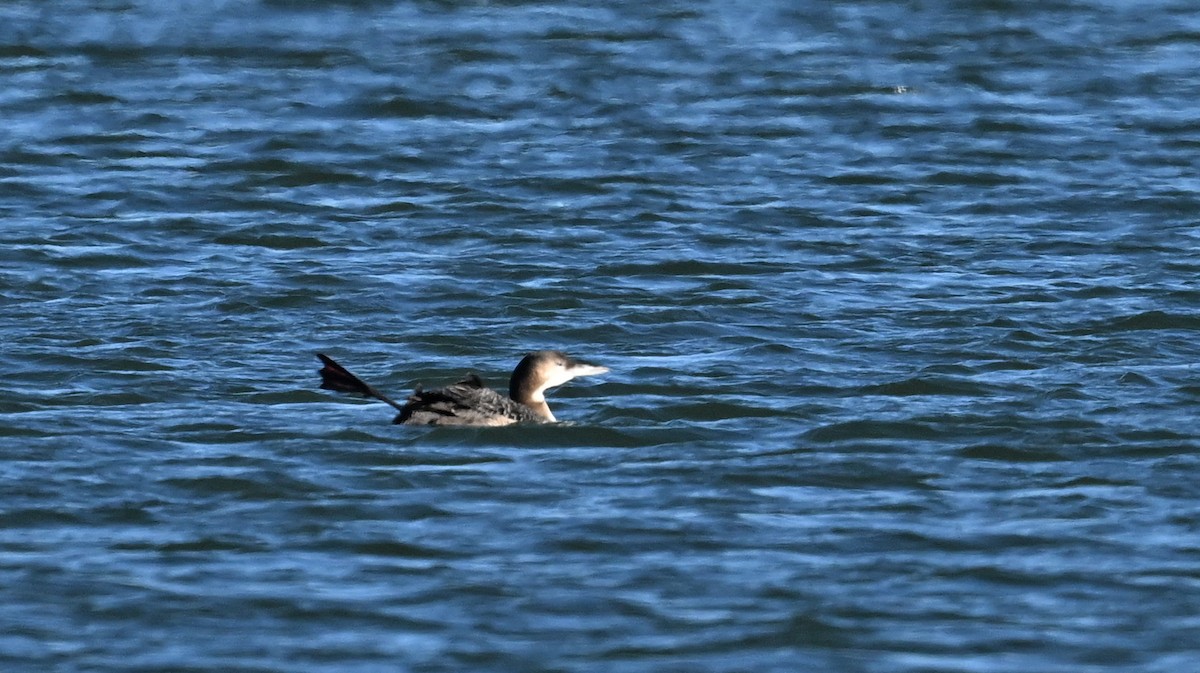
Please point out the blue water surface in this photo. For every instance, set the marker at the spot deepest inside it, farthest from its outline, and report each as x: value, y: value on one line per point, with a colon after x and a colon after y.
x: 899, y: 297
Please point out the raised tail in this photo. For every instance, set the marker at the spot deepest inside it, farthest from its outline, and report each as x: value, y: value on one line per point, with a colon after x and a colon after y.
x: 337, y: 377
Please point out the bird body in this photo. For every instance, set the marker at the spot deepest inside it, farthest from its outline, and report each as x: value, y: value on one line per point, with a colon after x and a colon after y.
x: 469, y: 402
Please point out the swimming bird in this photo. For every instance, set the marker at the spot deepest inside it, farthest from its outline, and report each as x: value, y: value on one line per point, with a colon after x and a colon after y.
x: 469, y: 402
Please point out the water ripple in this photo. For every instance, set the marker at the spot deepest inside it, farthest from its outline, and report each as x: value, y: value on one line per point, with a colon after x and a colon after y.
x: 899, y: 303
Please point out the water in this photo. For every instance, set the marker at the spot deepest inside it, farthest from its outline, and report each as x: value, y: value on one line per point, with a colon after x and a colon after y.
x: 900, y: 301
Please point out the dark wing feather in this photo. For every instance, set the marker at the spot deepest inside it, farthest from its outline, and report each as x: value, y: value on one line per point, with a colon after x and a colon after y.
x: 471, y: 381
x: 464, y: 403
x: 337, y: 377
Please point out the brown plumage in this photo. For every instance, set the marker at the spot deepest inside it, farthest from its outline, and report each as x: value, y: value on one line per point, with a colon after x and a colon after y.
x: 469, y: 402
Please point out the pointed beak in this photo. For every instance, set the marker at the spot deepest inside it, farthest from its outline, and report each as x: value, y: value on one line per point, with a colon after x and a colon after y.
x: 581, y: 369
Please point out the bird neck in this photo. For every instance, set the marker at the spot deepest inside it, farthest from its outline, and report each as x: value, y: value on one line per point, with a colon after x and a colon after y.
x: 525, y: 393
x: 541, y: 409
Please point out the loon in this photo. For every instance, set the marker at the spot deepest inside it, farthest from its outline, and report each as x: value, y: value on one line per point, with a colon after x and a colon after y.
x: 468, y: 402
